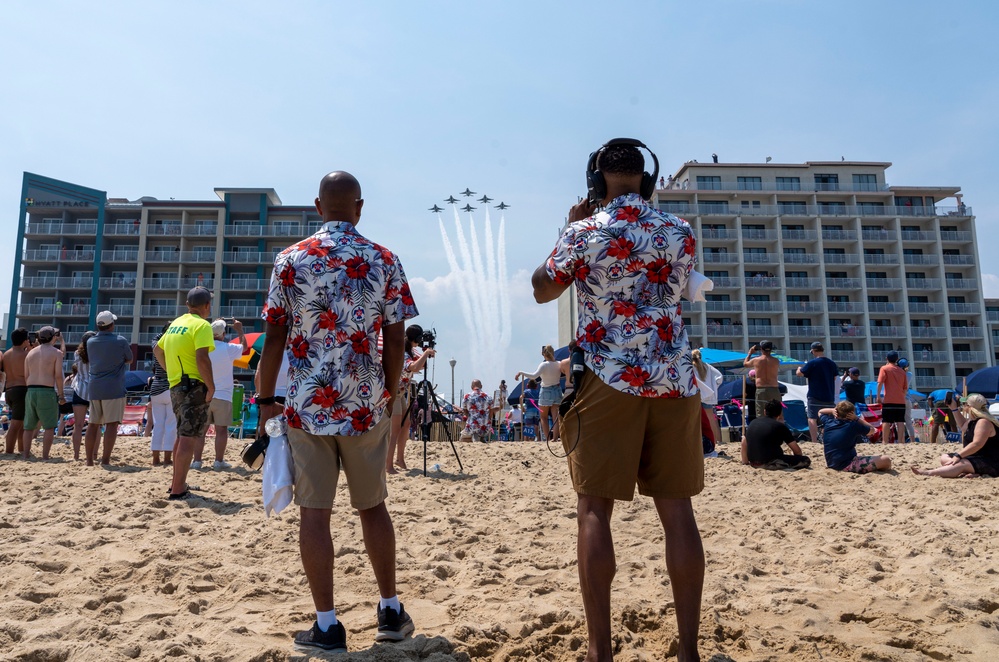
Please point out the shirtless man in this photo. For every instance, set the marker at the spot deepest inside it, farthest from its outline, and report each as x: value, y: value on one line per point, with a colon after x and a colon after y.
x: 765, y: 366
x: 44, y: 377
x: 13, y: 367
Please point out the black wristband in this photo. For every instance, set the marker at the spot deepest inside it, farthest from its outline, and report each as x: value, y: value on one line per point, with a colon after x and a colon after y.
x: 265, y: 401
x: 957, y: 455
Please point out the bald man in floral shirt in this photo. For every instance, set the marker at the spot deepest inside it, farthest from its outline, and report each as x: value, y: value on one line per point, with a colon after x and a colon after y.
x: 476, y: 406
x: 330, y: 297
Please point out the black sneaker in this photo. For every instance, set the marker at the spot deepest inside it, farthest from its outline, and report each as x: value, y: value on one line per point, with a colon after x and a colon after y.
x: 394, y: 625
x: 334, y: 639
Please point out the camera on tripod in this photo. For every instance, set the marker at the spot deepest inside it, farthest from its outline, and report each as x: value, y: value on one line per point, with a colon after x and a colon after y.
x: 429, y: 339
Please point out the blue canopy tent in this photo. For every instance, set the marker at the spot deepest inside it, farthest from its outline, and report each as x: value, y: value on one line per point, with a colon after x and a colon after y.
x: 786, y: 363
x: 984, y: 381
x: 940, y: 394
x: 871, y: 391
x: 514, y: 397
x: 721, y: 358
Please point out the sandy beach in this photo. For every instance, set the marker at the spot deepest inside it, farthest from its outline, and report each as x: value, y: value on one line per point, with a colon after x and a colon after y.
x: 812, y: 565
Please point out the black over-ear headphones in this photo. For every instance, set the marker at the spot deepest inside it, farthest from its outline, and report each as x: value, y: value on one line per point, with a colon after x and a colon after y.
x: 596, y: 185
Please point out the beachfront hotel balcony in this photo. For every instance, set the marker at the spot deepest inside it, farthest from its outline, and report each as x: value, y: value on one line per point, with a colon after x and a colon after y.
x: 963, y: 308
x: 843, y: 283
x: 122, y: 228
x: 926, y: 356
x: 799, y: 235
x: 808, y: 306
x: 247, y: 257
x: 852, y: 356
x: 160, y: 283
x: 880, y: 258
x: 53, y: 309
x: 56, y: 255
x: 147, y: 338
x: 245, y: 311
x: 955, y: 235
x: 805, y: 283
x: 883, y: 283
x: 252, y: 284
x: 724, y: 330
x: 992, y: 316
x: 162, y: 257
x: 765, y: 282
x: 841, y: 258
x: 915, y: 307
x: 718, y: 233
x: 959, y: 260
x: 806, y: 331
x: 198, y: 256
x: 928, y: 331
x: 756, y: 234
x: 887, y: 331
x: 969, y: 357
x: 121, y: 311
x: 961, y: 283
x: 722, y: 258
x: 966, y: 332
x: 56, y: 227
x: 843, y: 307
x: 839, y: 235
x: 121, y: 255
x: 54, y: 283
x: 923, y: 283
x: 800, y: 258
x: 163, y: 311
x: 763, y: 330
x: 120, y: 282
x: 909, y: 258
x: 764, y: 306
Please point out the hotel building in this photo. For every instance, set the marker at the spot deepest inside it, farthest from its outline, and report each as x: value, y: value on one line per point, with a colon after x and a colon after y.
x: 830, y: 252
x: 82, y: 252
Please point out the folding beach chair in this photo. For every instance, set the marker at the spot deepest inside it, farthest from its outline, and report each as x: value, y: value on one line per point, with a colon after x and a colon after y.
x: 236, y: 426
x: 796, y: 419
x: 131, y: 420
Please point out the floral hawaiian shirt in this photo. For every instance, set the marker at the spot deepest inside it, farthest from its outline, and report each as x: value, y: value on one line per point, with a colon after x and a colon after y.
x: 477, y: 403
x: 334, y: 291
x: 629, y: 263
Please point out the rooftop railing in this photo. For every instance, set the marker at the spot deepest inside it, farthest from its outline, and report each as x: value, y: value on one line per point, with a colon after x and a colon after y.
x: 778, y: 186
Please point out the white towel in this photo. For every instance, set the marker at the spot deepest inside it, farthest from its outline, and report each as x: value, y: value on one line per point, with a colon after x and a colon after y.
x: 277, y: 478
x: 697, y: 285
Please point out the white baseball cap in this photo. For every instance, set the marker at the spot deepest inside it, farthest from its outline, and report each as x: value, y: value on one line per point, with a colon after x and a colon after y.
x: 218, y: 328
x: 106, y: 318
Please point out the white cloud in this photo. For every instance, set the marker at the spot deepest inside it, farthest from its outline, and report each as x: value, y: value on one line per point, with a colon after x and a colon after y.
x: 990, y: 286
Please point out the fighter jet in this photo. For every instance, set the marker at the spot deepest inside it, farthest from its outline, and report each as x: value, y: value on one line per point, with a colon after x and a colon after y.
x: 450, y: 199
x: 467, y: 208
x: 502, y: 205
x: 485, y: 199
x: 468, y: 193
x: 436, y: 209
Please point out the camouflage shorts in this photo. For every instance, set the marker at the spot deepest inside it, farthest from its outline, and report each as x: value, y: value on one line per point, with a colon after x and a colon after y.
x: 190, y: 409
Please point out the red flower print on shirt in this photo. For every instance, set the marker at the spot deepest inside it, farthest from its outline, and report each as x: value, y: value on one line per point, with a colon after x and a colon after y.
x: 360, y: 343
x: 595, y: 332
x: 635, y: 376
x: 361, y: 419
x: 357, y: 268
x: 276, y: 315
x: 327, y: 320
x: 325, y: 396
x: 629, y: 214
x: 658, y: 270
x: 620, y: 248
x: 287, y: 275
x: 299, y: 347
x: 625, y: 308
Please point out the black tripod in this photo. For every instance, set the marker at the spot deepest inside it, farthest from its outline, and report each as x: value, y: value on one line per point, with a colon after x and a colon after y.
x: 427, y: 405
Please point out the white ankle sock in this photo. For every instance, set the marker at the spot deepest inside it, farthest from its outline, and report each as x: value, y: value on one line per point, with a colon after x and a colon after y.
x: 390, y: 602
x: 326, y: 619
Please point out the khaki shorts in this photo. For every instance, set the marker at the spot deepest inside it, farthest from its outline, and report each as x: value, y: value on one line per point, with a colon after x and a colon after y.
x: 317, y: 460
x: 625, y: 439
x: 220, y: 413
x: 103, y: 412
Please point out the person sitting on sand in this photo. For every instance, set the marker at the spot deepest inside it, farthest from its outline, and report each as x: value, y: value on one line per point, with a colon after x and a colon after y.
x: 762, y: 447
x: 842, y: 430
x: 980, y: 455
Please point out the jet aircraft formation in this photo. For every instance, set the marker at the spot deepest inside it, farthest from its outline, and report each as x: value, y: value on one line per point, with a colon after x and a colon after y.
x: 485, y: 199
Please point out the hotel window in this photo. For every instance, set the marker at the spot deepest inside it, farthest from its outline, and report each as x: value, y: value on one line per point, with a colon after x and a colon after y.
x: 788, y: 184
x: 708, y: 183
x: 922, y: 347
x: 881, y: 322
x: 877, y: 274
x: 865, y: 182
x: 876, y: 298
x: 882, y: 347
x: 204, y: 251
x: 826, y: 182
x: 801, y: 346
x: 750, y: 184
x: 796, y: 274
x: 717, y: 297
x: 798, y: 298
x: 915, y: 275
x: 791, y: 250
x: 715, y: 250
x: 746, y: 204
x: 871, y: 209
x: 919, y: 299
x: 842, y: 347
x: 926, y: 372
x: 674, y: 206
x: 837, y: 298
x: 714, y: 206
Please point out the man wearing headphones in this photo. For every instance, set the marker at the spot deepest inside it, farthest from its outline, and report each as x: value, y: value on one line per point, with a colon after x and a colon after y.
x: 636, y: 416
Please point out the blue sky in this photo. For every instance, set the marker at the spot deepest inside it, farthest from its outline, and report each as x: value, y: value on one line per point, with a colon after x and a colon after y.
x: 420, y: 100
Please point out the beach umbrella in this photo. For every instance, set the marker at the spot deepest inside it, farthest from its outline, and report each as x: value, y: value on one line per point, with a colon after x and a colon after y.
x: 135, y: 380
x: 721, y: 358
x: 249, y: 360
x: 984, y: 381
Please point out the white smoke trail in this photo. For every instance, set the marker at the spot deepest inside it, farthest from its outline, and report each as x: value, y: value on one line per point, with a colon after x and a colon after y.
x: 504, y: 285
x: 452, y: 262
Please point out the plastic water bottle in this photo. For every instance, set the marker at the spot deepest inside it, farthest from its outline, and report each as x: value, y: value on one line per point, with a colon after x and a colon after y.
x: 436, y: 468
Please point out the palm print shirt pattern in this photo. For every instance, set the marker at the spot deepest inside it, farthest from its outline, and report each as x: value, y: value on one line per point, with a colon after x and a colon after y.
x: 334, y: 291
x: 629, y: 263
x: 477, y: 403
